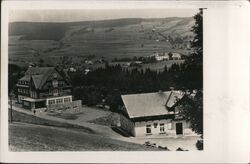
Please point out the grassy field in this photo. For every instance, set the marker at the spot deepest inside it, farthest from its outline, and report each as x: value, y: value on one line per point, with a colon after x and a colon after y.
x: 28, y: 137
x: 109, y: 39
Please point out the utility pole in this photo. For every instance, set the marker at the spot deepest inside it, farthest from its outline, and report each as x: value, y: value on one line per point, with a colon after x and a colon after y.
x: 11, y: 113
x: 10, y: 109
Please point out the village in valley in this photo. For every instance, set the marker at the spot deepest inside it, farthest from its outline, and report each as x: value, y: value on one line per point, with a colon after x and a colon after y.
x: 110, y: 85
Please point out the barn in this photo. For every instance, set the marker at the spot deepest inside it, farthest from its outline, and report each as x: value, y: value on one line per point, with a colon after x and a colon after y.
x: 153, y: 114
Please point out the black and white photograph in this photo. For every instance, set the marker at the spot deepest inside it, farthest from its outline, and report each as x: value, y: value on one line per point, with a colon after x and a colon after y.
x: 115, y: 80
x: 125, y: 82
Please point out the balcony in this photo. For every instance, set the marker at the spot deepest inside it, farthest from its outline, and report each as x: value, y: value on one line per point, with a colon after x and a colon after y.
x: 47, y: 94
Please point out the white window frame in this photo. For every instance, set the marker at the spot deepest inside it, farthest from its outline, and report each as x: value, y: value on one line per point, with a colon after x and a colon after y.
x: 162, y: 127
x: 67, y: 99
x: 55, y: 83
x: 59, y: 101
x: 155, y: 124
x: 148, y: 129
x: 51, y: 102
x: 55, y: 92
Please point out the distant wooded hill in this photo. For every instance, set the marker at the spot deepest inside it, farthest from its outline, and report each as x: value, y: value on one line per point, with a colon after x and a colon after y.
x: 56, y: 31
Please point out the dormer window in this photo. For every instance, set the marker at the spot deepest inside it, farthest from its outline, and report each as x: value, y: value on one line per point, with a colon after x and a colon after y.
x: 55, y: 83
x: 55, y: 75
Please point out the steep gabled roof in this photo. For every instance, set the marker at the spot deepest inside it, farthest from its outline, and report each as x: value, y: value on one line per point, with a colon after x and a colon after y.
x: 38, y: 70
x: 45, y: 77
x: 38, y: 75
x: 25, y: 78
x: 150, y: 104
x: 37, y: 79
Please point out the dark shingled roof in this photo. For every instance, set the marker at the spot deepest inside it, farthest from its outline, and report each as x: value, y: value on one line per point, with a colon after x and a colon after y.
x: 37, y: 79
x: 38, y: 70
x: 39, y: 75
x: 150, y: 104
x: 25, y: 78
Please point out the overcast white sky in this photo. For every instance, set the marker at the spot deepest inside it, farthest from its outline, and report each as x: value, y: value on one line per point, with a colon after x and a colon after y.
x: 95, y: 14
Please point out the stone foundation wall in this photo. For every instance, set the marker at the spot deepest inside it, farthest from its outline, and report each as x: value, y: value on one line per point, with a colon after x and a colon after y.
x: 127, y: 125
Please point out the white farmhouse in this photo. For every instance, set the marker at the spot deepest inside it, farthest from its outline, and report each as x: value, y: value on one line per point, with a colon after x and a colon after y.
x: 161, y: 57
x: 153, y: 114
x: 176, y: 56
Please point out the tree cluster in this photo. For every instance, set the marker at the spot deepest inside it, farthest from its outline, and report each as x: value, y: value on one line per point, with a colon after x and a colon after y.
x: 111, y: 82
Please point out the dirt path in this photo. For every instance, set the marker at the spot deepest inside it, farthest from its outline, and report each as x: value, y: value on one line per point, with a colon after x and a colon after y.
x: 89, y: 113
x: 98, y: 129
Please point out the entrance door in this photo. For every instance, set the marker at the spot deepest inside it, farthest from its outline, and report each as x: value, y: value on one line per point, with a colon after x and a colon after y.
x: 179, y: 128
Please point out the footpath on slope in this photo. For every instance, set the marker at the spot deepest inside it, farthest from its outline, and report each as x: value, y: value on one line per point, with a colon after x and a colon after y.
x: 23, y: 115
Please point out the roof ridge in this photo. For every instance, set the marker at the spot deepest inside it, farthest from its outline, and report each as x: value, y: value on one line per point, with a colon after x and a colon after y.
x: 33, y: 76
x: 149, y: 104
x: 147, y: 93
x: 168, y: 98
x: 46, y: 76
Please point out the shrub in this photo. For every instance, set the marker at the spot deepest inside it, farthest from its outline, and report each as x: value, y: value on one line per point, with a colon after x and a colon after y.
x: 199, y: 144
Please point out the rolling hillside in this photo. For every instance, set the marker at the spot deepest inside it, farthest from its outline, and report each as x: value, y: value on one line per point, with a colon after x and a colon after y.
x: 32, y: 41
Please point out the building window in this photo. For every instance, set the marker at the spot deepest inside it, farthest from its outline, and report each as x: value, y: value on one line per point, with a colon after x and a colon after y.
x: 67, y: 99
x: 25, y: 103
x: 51, y: 102
x: 55, y: 75
x: 169, y: 125
x: 58, y: 101
x: 55, y: 92
x: 148, y: 129
x: 60, y: 83
x: 20, y: 98
x: 162, y: 128
x: 55, y: 83
x: 155, y: 125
